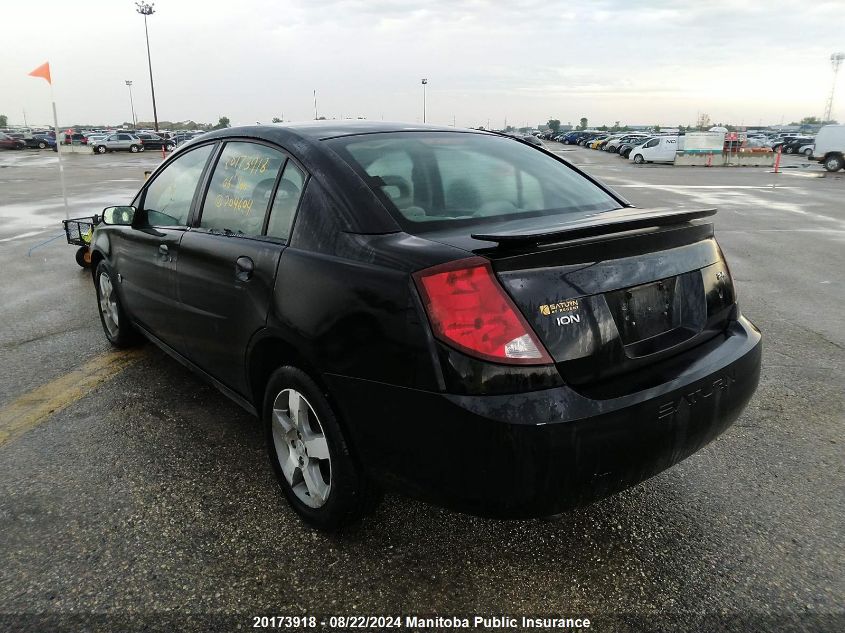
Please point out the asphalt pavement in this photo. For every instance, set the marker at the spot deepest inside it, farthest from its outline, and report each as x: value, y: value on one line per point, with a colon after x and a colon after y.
x: 148, y: 499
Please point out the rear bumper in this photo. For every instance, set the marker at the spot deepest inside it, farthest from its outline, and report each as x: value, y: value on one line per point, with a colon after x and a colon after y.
x: 543, y: 452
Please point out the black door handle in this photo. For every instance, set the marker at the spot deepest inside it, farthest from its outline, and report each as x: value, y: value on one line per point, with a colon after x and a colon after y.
x: 244, y: 266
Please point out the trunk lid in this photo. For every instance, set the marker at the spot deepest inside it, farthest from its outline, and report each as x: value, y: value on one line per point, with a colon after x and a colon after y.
x: 612, y: 296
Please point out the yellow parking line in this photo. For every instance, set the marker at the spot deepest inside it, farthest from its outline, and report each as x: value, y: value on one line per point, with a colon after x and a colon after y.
x: 33, y: 408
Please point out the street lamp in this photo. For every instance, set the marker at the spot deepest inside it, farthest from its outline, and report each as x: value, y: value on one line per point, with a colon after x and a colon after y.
x: 146, y: 9
x: 424, y: 83
x: 835, y: 60
x: 132, y: 104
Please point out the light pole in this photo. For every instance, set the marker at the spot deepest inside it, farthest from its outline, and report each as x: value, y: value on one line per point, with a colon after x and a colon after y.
x: 424, y: 83
x: 132, y: 104
x: 835, y: 60
x: 146, y: 9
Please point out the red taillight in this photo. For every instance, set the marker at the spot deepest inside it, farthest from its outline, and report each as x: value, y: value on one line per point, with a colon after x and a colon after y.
x: 469, y: 310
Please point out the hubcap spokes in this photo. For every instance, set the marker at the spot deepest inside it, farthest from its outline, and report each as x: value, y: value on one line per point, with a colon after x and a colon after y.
x: 108, y: 304
x: 301, y: 448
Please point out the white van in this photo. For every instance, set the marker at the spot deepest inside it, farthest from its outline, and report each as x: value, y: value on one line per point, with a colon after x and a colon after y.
x: 658, y: 149
x: 830, y: 147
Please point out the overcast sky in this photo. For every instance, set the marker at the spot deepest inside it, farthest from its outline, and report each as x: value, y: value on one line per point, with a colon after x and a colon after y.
x: 638, y: 62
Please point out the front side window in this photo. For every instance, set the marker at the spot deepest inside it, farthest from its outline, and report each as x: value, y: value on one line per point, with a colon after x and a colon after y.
x: 240, y: 188
x: 652, y: 143
x: 167, y: 201
x: 431, y: 178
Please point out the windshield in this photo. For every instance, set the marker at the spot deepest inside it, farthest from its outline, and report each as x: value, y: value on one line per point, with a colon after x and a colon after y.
x: 432, y: 178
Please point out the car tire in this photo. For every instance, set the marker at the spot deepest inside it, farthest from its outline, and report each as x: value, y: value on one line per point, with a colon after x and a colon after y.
x: 309, y: 454
x: 116, y: 325
x: 42, y: 145
x: 169, y: 147
x: 134, y: 149
x: 833, y: 163
x: 788, y: 150
x: 101, y: 149
x: 83, y: 256
x: 808, y: 152
x: 638, y: 159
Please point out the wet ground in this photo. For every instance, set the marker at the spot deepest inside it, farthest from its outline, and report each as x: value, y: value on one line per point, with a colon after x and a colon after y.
x: 150, y: 497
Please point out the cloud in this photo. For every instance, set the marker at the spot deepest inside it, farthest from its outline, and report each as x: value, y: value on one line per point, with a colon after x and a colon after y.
x: 634, y: 61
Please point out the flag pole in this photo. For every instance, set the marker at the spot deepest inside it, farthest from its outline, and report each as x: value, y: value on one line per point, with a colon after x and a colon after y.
x: 43, y: 72
x: 59, y: 152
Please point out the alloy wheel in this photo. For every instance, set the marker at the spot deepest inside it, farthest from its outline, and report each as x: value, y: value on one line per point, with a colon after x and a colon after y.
x: 108, y: 305
x: 833, y: 163
x: 301, y: 448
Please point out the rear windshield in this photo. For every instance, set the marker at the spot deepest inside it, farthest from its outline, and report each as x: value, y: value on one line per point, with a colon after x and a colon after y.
x: 432, y: 178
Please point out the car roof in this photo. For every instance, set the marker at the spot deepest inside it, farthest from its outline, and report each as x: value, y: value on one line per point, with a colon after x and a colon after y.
x: 323, y: 130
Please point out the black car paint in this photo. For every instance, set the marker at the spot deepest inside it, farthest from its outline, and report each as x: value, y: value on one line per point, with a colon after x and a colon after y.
x: 338, y: 301
x: 151, y: 141
x: 543, y: 452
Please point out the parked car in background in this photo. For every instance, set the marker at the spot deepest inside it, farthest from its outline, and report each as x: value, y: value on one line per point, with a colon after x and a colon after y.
x: 660, y: 149
x: 74, y: 138
x: 571, y: 138
x: 625, y: 148
x: 10, y: 142
x: 153, y: 141
x: 806, y: 150
x: 829, y: 147
x: 757, y: 141
x: 181, y: 138
x: 614, y: 145
x: 95, y: 138
x: 39, y: 142
x: 794, y: 144
x: 610, y: 137
x: 122, y: 141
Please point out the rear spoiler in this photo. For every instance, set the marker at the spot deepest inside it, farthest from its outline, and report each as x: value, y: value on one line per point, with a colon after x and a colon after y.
x: 606, y: 223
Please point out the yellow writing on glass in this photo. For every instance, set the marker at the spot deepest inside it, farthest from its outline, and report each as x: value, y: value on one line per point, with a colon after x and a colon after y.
x: 251, y: 164
x: 244, y: 205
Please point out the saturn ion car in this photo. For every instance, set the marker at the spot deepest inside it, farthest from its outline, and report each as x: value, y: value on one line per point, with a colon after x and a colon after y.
x: 455, y: 314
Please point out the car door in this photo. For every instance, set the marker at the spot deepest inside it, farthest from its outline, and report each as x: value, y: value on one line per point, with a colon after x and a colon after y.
x: 668, y: 147
x: 147, y: 253
x: 228, y: 259
x: 649, y: 150
x: 124, y: 141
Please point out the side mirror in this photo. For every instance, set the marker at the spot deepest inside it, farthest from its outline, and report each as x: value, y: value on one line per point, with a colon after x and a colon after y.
x: 121, y: 216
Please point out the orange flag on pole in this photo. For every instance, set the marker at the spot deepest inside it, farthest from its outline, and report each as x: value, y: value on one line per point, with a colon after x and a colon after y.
x: 43, y: 71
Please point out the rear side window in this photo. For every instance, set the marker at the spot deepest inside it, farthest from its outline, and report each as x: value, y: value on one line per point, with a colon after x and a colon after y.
x: 286, y: 201
x: 240, y: 188
x: 167, y: 201
x: 436, y: 178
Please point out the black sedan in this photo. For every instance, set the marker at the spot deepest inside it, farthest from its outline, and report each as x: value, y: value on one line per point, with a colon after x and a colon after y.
x: 39, y: 142
x: 794, y: 145
x: 153, y: 141
x: 454, y: 314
